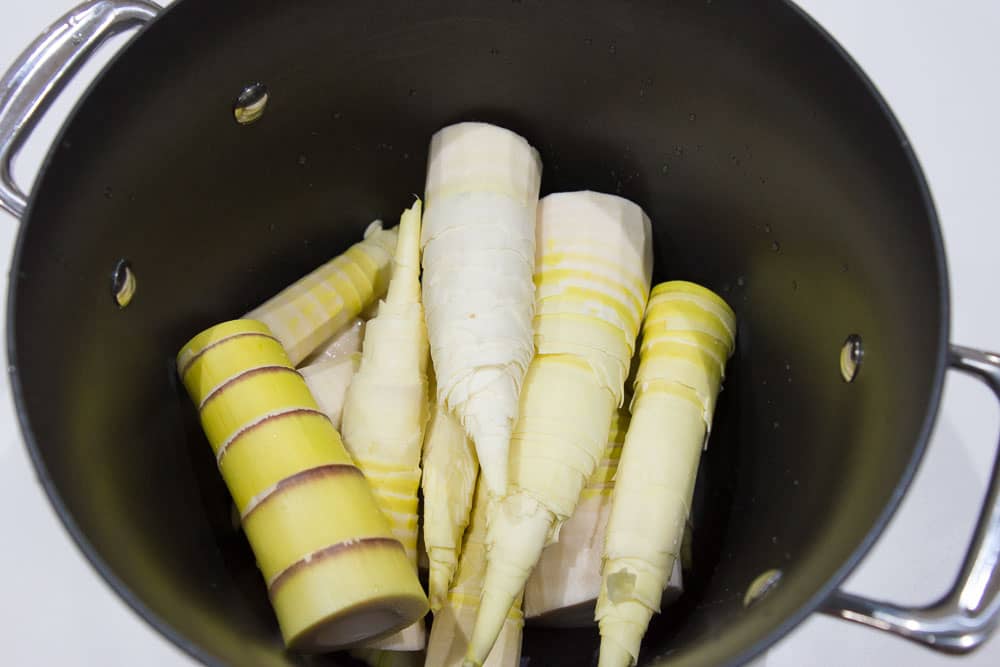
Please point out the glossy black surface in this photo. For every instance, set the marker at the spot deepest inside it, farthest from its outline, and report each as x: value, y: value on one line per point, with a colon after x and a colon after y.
x: 772, y: 173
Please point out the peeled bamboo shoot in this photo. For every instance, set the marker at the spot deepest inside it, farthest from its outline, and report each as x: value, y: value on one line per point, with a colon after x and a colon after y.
x: 593, y: 271
x: 679, y: 377
x: 335, y: 577
x: 307, y: 313
x: 450, y: 469
x: 564, y: 586
x: 385, y: 407
x: 453, y: 622
x: 479, y: 251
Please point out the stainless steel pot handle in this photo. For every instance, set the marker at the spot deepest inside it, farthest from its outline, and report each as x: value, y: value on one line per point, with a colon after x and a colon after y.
x: 44, y: 68
x: 966, y: 616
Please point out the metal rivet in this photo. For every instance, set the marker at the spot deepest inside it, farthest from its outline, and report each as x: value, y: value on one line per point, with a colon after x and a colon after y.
x: 250, y: 103
x: 761, y: 586
x: 851, y: 355
x: 122, y: 283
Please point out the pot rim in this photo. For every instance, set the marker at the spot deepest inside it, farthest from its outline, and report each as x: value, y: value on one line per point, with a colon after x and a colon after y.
x: 789, y: 622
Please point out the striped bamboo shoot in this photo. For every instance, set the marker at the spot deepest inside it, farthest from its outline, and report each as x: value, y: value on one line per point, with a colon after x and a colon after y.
x: 306, y: 314
x: 335, y: 573
x: 688, y: 334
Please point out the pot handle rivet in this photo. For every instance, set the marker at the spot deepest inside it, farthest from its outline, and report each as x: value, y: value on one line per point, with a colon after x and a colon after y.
x: 851, y: 354
x: 123, y: 283
x: 969, y: 613
x: 250, y: 103
x: 43, y: 69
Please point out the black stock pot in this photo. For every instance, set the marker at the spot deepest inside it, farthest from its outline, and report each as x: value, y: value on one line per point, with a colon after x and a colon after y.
x: 773, y: 171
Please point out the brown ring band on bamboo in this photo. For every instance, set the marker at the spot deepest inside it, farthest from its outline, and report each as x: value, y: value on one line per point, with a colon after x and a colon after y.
x: 326, y: 470
x: 328, y: 552
x: 241, y: 334
x: 250, y: 372
x: 270, y: 417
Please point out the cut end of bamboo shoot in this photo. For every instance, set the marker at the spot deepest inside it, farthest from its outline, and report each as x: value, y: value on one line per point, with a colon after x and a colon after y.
x: 471, y: 157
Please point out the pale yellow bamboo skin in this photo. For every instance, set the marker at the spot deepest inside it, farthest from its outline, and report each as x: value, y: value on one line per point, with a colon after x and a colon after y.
x: 479, y: 250
x: 450, y: 470
x: 334, y: 580
x: 563, y: 588
x: 688, y: 334
x: 385, y: 406
x: 307, y: 313
x: 594, y: 260
x: 453, y: 622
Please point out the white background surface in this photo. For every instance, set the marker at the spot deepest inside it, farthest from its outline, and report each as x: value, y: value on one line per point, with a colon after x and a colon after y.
x: 936, y: 63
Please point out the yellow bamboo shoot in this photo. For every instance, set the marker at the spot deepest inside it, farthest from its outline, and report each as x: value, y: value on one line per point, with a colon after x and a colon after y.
x: 336, y: 577
x: 593, y: 271
x: 479, y: 251
x: 453, y: 622
x: 385, y: 407
x: 679, y: 377
x: 307, y: 313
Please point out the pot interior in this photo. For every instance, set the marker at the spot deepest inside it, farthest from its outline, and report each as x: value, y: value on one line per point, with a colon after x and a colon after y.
x: 772, y: 174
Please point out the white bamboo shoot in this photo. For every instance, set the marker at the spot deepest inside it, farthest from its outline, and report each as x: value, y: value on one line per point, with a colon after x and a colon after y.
x: 479, y: 250
x: 450, y: 469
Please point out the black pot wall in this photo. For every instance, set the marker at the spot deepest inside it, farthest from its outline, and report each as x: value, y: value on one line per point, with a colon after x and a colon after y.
x: 770, y: 168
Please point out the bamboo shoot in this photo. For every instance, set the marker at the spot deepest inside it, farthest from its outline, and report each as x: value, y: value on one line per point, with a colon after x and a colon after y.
x: 453, y: 622
x: 334, y: 579
x: 679, y: 377
x: 594, y: 266
x: 385, y: 406
x: 479, y: 251
x: 307, y: 313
